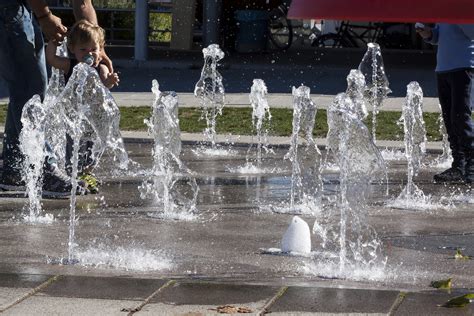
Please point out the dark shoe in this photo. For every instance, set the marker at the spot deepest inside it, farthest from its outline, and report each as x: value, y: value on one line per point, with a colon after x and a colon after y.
x: 11, y: 181
x: 57, y: 184
x: 452, y: 175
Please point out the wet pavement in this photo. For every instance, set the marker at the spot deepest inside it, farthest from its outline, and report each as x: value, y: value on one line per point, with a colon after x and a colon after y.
x: 134, y: 261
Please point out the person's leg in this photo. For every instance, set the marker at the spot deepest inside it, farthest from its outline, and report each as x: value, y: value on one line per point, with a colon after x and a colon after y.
x: 22, y: 66
x: 463, y: 126
x: 445, y: 95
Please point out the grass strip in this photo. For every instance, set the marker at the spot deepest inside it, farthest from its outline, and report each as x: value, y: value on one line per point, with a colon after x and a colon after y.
x: 238, y: 121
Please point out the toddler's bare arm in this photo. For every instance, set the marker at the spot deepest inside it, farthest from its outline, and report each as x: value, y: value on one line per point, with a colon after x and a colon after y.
x: 55, y: 61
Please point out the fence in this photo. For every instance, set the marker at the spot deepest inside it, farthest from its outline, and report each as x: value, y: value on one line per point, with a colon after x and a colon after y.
x: 119, y: 22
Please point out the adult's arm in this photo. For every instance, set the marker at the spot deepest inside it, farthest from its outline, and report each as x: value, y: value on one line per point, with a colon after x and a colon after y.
x: 83, y: 9
x: 50, y: 24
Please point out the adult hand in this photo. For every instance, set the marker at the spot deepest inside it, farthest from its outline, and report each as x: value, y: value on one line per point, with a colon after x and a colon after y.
x: 425, y: 32
x: 106, y: 60
x: 53, y: 28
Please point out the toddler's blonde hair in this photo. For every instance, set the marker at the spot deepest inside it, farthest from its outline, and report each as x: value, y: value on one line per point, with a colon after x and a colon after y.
x: 84, y: 31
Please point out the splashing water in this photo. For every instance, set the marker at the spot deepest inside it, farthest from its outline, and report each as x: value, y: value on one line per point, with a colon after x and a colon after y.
x: 393, y: 154
x: 307, y: 186
x: 210, y: 91
x: 56, y: 128
x: 168, y: 172
x: 260, y: 115
x: 90, y: 114
x: 444, y: 160
x: 372, y: 67
x: 415, y: 141
x: 125, y: 258
x: 359, y: 162
x: 32, y: 139
x: 36, y: 139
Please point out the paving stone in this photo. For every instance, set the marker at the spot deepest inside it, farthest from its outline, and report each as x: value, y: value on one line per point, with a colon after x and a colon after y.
x: 214, y: 294
x: 333, y: 300
x: 48, y: 306
x: 444, y: 244
x: 427, y: 304
x: 195, y: 310
x: 22, y: 280
x: 103, y: 288
x: 9, y: 295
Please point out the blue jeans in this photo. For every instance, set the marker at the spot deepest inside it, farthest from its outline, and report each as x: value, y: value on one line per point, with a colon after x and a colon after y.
x: 23, y: 67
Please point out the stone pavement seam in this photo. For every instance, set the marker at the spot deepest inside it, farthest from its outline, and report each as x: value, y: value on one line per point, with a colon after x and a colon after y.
x: 272, y: 301
x: 32, y: 292
x: 148, y: 299
x: 396, y: 304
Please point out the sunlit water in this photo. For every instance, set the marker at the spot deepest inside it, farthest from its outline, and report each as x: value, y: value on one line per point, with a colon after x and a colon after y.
x: 305, y: 158
x: 411, y: 196
x: 360, y: 162
x: 377, y: 85
x: 261, y: 118
x: 168, y: 171
x: 393, y: 154
x: 132, y: 258
x: 210, y: 91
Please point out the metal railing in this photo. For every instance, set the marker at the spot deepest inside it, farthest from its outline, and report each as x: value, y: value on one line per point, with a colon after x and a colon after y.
x: 113, y: 30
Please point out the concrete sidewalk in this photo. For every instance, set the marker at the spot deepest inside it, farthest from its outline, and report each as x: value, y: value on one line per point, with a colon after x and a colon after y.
x: 275, y: 100
x: 33, y: 294
x: 241, y: 100
x: 323, y: 71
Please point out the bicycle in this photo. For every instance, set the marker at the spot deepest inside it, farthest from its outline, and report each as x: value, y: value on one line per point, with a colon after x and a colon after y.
x: 348, y: 35
x: 353, y: 35
x: 280, y: 30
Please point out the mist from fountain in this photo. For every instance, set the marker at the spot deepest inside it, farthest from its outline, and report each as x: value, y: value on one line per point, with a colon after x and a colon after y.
x: 377, y: 85
x: 210, y: 91
x: 165, y: 183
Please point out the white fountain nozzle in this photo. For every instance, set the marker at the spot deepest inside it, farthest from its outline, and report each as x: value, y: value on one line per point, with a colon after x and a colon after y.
x: 297, y: 237
x: 89, y: 59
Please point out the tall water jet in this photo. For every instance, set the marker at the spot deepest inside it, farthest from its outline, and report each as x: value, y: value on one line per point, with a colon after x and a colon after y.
x: 32, y: 145
x: 210, y: 91
x: 90, y: 114
x: 359, y: 162
x: 168, y: 172
x: 260, y: 115
x: 444, y: 160
x: 304, y: 156
x: 377, y: 85
x: 415, y: 140
x: 56, y: 127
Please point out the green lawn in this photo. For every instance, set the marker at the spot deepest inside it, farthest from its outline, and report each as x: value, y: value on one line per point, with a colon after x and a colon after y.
x: 239, y: 121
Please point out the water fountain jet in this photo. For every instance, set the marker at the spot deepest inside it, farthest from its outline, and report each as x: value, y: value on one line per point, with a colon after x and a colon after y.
x: 168, y: 172
x: 210, y: 91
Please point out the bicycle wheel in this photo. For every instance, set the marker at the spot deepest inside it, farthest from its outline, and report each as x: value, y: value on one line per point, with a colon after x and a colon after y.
x: 280, y: 32
x: 331, y: 40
